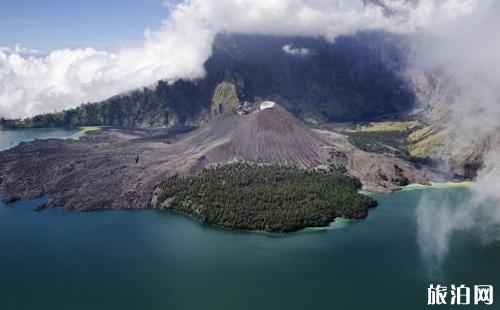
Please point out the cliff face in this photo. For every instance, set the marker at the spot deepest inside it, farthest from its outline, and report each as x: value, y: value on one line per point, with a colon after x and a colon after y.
x: 434, y: 93
x: 355, y: 78
x: 437, y: 139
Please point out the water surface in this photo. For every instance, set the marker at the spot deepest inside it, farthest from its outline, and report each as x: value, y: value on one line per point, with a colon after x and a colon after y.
x: 10, y: 138
x: 159, y: 260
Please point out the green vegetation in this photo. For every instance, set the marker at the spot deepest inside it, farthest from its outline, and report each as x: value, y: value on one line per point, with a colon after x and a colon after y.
x: 271, y: 198
x: 390, y: 126
x: 410, y: 140
x: 413, y: 141
x: 225, y: 97
x: 381, y: 141
x: 337, y: 162
x: 472, y: 168
x: 425, y: 140
x: 167, y: 105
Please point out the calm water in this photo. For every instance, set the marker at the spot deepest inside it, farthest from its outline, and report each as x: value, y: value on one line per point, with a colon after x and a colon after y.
x: 11, y: 138
x: 159, y: 260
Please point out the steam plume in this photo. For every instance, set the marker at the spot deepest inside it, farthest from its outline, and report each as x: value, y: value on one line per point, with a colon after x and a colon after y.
x: 466, y: 51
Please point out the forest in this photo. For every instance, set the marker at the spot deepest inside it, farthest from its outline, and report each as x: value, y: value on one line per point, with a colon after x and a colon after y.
x: 280, y: 199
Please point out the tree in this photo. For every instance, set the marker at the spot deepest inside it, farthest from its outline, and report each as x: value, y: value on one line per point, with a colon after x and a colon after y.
x: 337, y: 162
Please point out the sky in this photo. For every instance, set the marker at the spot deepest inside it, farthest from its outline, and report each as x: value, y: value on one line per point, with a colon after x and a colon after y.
x: 47, y: 25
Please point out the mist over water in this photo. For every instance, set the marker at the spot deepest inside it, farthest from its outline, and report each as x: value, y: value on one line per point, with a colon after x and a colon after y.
x: 442, y: 216
x: 465, y: 51
x: 439, y: 216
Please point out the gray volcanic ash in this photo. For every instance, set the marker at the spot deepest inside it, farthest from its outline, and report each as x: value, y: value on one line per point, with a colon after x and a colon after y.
x: 271, y: 135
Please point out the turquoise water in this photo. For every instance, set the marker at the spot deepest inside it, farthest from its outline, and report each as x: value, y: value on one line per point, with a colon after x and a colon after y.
x: 158, y: 260
x: 11, y: 138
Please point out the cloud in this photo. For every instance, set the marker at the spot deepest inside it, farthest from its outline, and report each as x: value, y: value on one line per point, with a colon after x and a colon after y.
x: 296, y: 51
x: 21, y: 50
x: 465, y: 51
x: 32, y: 84
x: 65, y: 78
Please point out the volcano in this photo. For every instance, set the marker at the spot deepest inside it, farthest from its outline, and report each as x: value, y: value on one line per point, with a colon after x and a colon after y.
x: 267, y: 133
x: 119, y: 168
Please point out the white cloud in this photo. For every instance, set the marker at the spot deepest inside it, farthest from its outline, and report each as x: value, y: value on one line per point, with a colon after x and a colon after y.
x: 296, y: 51
x: 64, y: 78
x: 21, y: 50
x: 31, y: 84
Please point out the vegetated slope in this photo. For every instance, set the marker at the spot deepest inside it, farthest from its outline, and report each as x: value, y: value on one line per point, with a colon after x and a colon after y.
x: 270, y: 198
x: 354, y: 78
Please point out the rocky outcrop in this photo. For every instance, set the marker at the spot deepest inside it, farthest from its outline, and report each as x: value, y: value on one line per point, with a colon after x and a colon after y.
x: 224, y: 98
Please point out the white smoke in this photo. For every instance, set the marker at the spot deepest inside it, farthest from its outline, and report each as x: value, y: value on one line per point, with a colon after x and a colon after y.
x: 31, y: 83
x: 467, y: 51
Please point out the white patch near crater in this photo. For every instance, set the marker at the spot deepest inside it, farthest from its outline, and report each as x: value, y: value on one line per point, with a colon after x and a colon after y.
x: 266, y: 105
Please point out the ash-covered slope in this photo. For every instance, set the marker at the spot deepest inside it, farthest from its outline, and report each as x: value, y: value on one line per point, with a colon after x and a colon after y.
x: 119, y: 168
x: 273, y: 135
x: 266, y: 133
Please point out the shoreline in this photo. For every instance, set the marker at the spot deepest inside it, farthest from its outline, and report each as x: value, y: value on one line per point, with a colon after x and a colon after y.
x: 81, y: 132
x: 77, y: 133
x: 417, y: 186
x: 337, y: 223
x: 92, y: 163
x: 449, y: 184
